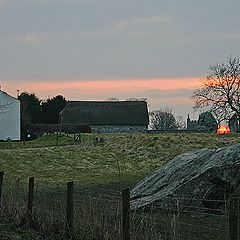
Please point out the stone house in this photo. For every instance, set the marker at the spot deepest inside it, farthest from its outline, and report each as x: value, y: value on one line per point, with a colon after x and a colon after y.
x: 9, y: 117
x: 107, y: 116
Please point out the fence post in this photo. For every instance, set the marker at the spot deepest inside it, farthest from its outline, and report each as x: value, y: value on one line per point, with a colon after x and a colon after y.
x: 126, y: 214
x: 30, y: 197
x: 233, y: 218
x: 69, y: 211
x: 57, y: 139
x: 1, y: 186
x: 74, y: 137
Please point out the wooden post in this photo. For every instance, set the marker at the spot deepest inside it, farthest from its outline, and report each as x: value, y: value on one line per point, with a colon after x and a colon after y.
x: 1, y: 186
x: 233, y: 218
x: 126, y: 214
x: 80, y: 137
x: 30, y: 196
x: 69, y: 211
x: 23, y: 137
x: 57, y: 139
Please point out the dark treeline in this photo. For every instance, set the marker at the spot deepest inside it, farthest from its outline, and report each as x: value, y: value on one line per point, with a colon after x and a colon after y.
x: 35, y: 110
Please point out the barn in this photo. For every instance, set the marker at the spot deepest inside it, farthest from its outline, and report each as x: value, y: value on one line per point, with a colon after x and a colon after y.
x: 9, y: 117
x: 107, y: 116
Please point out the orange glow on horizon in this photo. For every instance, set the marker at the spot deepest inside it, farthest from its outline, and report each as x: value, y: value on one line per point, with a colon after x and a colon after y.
x: 155, y: 90
x: 94, y: 86
x: 128, y: 84
x: 223, y: 130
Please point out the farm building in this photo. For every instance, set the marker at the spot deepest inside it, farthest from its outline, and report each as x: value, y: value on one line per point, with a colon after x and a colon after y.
x: 9, y: 117
x: 108, y: 117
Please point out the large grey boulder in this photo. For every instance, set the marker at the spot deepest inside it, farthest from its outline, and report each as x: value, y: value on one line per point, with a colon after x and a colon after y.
x: 200, y: 179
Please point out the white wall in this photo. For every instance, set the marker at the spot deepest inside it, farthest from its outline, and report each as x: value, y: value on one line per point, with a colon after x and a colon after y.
x: 9, y: 117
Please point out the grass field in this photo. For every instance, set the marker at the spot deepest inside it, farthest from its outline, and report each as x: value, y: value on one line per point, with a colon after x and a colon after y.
x: 121, y: 159
x: 13, y: 232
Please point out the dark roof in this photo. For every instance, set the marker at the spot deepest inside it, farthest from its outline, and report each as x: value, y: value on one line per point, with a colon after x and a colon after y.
x: 106, y: 113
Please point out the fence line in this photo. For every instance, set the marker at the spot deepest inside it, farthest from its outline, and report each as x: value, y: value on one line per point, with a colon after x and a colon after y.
x: 233, y: 218
x: 1, y: 186
x: 30, y: 197
x: 126, y: 214
x: 97, y: 215
x: 69, y: 211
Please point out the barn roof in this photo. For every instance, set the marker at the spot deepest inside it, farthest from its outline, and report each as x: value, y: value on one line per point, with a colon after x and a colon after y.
x: 106, y: 113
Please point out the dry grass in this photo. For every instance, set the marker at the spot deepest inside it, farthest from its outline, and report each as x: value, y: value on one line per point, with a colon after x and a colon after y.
x: 98, y: 215
x: 121, y: 159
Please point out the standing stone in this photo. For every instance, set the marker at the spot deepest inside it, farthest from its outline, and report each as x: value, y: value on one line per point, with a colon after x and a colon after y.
x: 196, y: 179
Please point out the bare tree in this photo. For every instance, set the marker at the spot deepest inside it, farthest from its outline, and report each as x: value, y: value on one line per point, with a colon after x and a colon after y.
x: 112, y: 99
x: 132, y: 99
x: 220, y: 93
x: 181, y: 123
x: 137, y: 99
x: 163, y: 119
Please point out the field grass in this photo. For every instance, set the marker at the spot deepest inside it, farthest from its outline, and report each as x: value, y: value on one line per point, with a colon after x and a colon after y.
x: 121, y: 159
x: 10, y: 231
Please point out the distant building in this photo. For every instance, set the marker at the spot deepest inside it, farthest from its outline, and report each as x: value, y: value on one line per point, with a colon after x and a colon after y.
x: 108, y: 116
x: 9, y: 117
x: 233, y: 123
x: 192, y: 124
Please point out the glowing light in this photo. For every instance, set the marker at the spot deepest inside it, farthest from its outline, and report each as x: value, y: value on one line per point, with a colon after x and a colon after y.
x: 223, y: 130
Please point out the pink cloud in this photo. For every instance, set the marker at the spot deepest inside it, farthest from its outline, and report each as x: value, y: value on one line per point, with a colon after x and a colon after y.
x: 43, y: 88
x: 122, y: 89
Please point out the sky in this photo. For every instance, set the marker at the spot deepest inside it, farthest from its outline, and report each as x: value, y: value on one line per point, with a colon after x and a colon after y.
x: 98, y: 49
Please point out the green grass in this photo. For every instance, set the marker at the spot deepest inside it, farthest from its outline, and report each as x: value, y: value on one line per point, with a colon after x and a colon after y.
x: 121, y: 158
x: 12, y: 231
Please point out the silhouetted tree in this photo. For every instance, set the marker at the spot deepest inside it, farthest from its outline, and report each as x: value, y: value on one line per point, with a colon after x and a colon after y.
x: 30, y: 106
x: 181, y: 123
x: 30, y: 110
x: 112, y: 99
x: 163, y: 119
x: 221, y: 91
x: 207, y: 121
x: 51, y: 109
x: 132, y: 99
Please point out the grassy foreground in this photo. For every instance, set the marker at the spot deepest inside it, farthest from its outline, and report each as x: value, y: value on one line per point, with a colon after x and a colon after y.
x: 121, y: 160
x: 14, y: 232
x: 124, y: 158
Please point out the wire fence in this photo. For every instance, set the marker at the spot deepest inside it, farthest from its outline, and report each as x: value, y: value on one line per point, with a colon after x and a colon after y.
x: 174, y: 220
x: 97, y: 213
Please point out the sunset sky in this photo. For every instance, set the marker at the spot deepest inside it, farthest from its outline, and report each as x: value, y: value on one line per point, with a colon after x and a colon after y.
x: 97, y: 49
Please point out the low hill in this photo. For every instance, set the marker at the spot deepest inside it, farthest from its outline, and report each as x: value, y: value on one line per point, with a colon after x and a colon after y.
x: 117, y: 159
